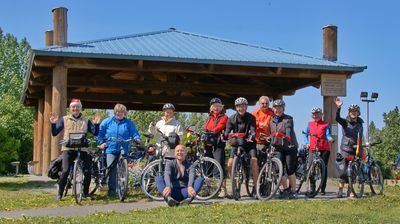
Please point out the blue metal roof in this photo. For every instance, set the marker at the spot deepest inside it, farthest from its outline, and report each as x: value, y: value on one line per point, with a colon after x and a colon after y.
x: 178, y: 46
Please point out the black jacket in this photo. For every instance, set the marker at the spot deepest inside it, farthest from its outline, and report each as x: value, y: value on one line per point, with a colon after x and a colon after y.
x: 352, y: 130
x: 284, y: 125
x: 241, y: 124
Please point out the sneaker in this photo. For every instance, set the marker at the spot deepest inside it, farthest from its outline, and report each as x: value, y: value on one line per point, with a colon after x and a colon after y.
x: 284, y: 194
x: 323, y: 193
x: 339, y: 194
x: 292, y: 194
x: 58, y: 197
x: 222, y: 193
x: 186, y: 201
x: 172, y: 202
x: 88, y: 196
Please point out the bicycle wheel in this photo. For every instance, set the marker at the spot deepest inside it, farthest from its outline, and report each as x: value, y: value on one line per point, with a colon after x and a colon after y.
x: 269, y: 179
x: 356, y: 180
x: 77, y: 181
x: 148, y: 180
x: 249, y: 183
x: 315, y: 177
x: 122, y: 178
x: 237, y: 177
x: 211, y: 171
x: 376, y: 179
x: 301, y: 167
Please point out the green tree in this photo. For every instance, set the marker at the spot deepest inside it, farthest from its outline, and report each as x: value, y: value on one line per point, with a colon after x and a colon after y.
x: 8, y: 153
x: 387, y: 151
x: 14, y: 117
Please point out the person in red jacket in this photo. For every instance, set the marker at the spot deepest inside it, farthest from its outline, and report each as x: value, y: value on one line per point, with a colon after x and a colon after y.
x: 214, y: 125
x: 263, y: 116
x: 319, y: 129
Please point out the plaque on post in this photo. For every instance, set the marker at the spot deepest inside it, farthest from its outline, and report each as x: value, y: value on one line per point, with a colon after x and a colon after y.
x: 333, y: 85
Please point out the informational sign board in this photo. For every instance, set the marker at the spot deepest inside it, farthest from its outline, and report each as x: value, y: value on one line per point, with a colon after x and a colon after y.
x: 333, y: 85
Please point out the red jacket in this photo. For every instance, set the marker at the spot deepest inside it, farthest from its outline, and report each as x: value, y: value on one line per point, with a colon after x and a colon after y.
x: 319, y: 129
x: 216, y: 122
x: 262, y: 116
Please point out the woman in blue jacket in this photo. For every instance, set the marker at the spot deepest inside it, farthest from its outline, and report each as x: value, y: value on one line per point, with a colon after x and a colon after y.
x: 116, y: 127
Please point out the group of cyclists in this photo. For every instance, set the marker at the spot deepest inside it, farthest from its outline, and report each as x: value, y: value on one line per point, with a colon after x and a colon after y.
x: 263, y: 126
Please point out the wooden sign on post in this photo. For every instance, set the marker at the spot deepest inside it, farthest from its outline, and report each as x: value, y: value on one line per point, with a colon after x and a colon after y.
x: 333, y: 85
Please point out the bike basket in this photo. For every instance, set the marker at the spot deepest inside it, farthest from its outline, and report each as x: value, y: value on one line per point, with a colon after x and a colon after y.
x: 173, y: 140
x: 77, y: 140
x: 209, y: 138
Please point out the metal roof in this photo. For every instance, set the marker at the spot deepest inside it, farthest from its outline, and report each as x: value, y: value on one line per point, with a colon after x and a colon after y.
x: 178, y: 46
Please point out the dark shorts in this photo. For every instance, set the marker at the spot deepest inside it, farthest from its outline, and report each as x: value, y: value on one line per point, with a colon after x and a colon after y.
x: 249, y: 149
x: 288, y: 157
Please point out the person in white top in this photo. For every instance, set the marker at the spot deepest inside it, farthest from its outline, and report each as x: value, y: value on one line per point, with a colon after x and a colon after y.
x: 170, y: 127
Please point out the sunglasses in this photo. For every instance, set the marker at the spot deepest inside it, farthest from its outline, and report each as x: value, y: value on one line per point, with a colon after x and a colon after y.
x: 264, y: 103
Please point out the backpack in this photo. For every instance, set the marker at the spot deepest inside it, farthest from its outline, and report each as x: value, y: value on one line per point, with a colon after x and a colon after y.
x: 55, y: 168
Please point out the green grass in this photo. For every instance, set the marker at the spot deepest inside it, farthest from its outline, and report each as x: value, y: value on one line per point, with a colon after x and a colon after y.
x: 376, y: 209
x: 20, y: 193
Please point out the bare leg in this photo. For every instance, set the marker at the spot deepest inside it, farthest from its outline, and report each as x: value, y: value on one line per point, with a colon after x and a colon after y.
x: 254, y: 166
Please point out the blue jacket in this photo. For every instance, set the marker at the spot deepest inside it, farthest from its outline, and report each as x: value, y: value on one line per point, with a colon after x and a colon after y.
x: 113, y: 128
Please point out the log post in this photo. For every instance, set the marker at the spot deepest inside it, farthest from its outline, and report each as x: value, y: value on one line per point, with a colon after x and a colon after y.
x: 330, y: 53
x: 46, y: 130
x: 59, y: 102
x: 60, y: 26
x: 49, y: 38
x: 39, y: 137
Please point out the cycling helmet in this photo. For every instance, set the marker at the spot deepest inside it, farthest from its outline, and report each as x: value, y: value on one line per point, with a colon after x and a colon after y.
x: 316, y: 110
x: 215, y: 100
x: 354, y: 107
x: 168, y: 106
x: 241, y: 101
x: 278, y: 103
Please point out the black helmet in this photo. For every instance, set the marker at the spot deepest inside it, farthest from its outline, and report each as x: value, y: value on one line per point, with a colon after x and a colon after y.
x: 215, y: 100
x: 354, y: 107
x: 316, y: 110
x: 168, y: 106
x: 278, y: 103
x: 241, y: 101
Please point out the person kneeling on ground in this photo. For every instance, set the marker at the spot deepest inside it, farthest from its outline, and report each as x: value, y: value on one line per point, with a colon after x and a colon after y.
x: 179, y: 186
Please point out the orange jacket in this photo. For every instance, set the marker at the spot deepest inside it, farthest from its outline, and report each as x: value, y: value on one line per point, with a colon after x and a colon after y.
x: 263, y: 119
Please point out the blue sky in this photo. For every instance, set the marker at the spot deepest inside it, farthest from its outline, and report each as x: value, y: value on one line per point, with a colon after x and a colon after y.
x: 368, y: 34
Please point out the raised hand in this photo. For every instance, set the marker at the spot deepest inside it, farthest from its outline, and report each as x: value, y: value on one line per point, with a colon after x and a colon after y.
x: 53, y: 118
x: 96, y: 119
x: 338, y: 102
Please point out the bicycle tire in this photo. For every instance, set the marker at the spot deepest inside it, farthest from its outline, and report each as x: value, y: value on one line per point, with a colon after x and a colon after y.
x: 316, y: 174
x: 269, y: 179
x: 96, y: 177
x: 376, y: 179
x: 237, y: 178
x: 148, y: 182
x: 122, y: 178
x: 77, y: 181
x: 249, y: 183
x: 213, y: 175
x: 356, y: 182
x: 301, y: 165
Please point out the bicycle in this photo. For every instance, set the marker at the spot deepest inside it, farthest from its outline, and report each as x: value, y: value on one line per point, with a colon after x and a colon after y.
x: 205, y: 167
x: 240, y: 169
x: 270, y: 175
x: 103, y: 171
x: 138, y: 159
x: 75, y: 177
x: 313, y: 173
x: 154, y: 169
x: 360, y: 173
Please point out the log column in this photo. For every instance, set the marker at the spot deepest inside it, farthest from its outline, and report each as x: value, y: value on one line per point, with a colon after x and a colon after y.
x: 46, y: 130
x: 39, y: 138
x: 59, y: 102
x: 330, y: 53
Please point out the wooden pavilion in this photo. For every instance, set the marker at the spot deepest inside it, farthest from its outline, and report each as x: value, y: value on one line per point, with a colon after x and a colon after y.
x: 144, y: 71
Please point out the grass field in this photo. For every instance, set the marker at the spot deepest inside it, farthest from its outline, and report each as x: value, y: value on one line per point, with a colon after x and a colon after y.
x: 19, y: 193
x: 374, y: 209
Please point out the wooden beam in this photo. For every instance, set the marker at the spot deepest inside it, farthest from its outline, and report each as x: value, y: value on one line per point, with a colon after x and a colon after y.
x: 211, y: 88
x: 39, y: 137
x: 330, y: 115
